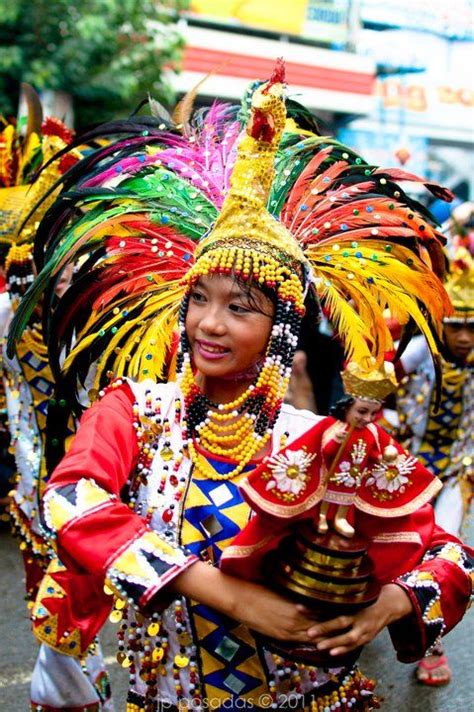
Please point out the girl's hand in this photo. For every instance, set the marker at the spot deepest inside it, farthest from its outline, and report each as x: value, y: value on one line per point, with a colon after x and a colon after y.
x: 270, y: 614
x: 256, y: 606
x: 345, y: 633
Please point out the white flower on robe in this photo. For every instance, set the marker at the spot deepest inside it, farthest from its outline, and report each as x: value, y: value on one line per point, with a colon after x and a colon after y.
x: 392, y: 476
x: 289, y: 472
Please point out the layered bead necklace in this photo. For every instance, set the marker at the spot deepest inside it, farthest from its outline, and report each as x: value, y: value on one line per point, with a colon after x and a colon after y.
x: 238, y: 429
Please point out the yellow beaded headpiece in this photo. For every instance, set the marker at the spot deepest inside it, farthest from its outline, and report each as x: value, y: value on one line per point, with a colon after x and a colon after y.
x: 25, y: 146
x: 367, y: 382
x: 460, y: 287
x: 244, y: 218
x: 12, y: 200
x: 246, y: 238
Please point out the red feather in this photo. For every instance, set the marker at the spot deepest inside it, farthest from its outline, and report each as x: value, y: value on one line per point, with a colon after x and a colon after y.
x: 397, y: 174
x: 302, y: 182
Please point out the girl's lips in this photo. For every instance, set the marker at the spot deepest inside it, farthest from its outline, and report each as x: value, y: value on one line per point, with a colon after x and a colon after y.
x: 210, y: 351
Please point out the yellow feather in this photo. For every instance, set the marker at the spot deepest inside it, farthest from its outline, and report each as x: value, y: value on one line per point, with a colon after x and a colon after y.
x: 150, y: 332
x: 374, y: 280
x: 345, y: 320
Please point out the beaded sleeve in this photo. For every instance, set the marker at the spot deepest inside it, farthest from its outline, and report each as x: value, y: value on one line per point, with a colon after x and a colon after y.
x: 95, y: 531
x: 440, y: 590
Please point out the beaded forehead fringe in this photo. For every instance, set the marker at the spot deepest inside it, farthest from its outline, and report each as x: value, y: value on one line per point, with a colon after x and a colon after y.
x: 146, y: 207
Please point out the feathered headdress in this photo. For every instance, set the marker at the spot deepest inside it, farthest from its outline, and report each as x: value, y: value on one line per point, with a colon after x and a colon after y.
x: 25, y: 146
x: 274, y: 203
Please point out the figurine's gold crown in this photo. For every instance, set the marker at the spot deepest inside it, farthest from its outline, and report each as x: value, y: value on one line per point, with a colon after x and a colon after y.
x: 367, y: 382
x: 460, y: 287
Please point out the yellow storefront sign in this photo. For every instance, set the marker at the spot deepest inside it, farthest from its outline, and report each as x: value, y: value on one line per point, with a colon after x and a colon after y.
x: 279, y: 15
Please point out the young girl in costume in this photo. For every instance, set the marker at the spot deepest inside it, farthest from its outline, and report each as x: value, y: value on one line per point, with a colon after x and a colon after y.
x: 147, y: 498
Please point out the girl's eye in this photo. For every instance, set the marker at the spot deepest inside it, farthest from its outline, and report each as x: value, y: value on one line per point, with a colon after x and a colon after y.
x: 198, y: 297
x: 238, y: 308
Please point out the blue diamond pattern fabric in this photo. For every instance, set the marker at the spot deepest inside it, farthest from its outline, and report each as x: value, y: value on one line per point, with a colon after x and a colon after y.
x: 213, y: 514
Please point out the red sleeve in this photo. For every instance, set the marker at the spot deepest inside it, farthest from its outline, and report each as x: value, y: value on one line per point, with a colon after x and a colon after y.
x: 440, y: 589
x: 96, y: 532
x: 330, y: 450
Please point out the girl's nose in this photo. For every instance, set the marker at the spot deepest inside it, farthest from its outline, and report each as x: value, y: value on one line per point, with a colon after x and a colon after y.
x: 212, y: 322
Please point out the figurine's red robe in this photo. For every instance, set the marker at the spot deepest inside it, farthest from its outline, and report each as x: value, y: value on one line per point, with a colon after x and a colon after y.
x: 391, y: 510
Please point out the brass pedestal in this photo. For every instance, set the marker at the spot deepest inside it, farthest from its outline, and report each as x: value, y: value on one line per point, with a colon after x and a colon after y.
x: 328, y: 573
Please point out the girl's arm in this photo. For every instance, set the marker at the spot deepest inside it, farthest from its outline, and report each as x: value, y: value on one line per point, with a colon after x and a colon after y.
x: 249, y: 603
x: 94, y: 531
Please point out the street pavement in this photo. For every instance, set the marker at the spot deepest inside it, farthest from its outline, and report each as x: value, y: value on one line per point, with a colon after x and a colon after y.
x: 396, y: 682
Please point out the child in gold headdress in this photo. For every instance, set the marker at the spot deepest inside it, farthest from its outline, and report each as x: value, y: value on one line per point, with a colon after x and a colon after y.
x: 29, y: 382
x: 442, y: 437
x: 222, y: 236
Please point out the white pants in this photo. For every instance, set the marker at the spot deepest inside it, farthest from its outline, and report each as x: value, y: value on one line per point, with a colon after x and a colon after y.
x: 60, y: 681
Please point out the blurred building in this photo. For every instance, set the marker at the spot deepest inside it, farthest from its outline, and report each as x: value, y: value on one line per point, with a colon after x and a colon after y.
x: 424, y: 113
x: 392, y: 79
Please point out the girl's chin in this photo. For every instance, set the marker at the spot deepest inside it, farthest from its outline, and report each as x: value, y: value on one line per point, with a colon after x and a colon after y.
x: 220, y: 368
x: 213, y: 369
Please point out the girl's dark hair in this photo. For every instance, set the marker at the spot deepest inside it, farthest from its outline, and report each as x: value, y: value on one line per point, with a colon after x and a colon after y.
x: 248, y: 284
x: 313, y: 311
x: 340, y: 408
